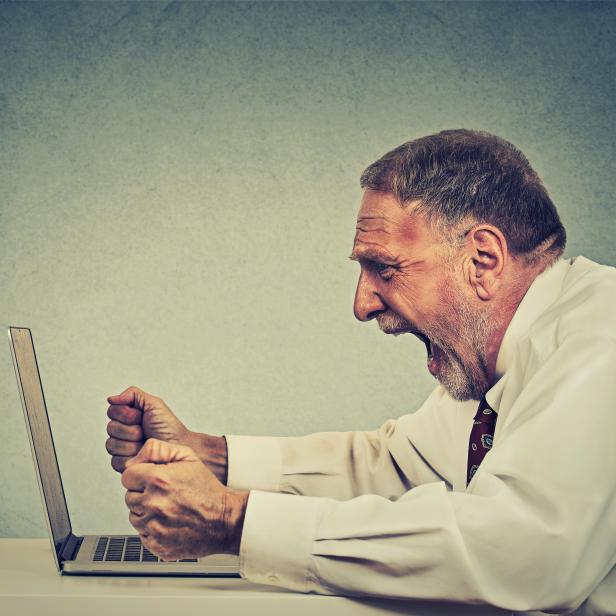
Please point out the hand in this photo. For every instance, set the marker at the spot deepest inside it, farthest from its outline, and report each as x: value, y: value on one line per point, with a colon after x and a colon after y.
x: 136, y: 416
x: 178, y: 507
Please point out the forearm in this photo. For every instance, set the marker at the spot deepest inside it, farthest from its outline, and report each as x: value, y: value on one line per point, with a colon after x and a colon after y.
x: 431, y: 544
x: 339, y: 465
x: 234, y: 515
x: 212, y: 451
x: 342, y: 465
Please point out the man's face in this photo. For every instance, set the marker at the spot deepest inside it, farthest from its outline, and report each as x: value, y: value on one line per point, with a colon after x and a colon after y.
x: 410, y: 283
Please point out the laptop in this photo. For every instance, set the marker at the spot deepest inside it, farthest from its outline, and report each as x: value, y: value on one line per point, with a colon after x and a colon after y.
x: 90, y: 554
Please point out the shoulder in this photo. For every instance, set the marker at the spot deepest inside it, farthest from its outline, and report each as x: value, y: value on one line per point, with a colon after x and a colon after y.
x: 584, y: 307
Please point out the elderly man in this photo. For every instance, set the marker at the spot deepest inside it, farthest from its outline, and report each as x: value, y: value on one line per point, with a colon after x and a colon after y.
x: 500, y: 488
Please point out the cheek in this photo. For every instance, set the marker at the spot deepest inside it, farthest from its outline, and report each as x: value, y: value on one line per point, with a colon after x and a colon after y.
x: 409, y: 297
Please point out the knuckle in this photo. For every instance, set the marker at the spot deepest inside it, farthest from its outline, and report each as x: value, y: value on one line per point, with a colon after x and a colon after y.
x: 157, y: 508
x: 113, y: 428
x: 154, y: 547
x: 135, y: 520
x: 132, y: 433
x: 158, y: 480
x: 118, y: 463
x: 130, y: 448
x: 153, y: 531
x: 113, y: 412
x: 125, y: 415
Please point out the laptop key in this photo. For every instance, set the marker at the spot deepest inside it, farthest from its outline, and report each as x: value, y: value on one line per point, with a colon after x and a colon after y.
x: 148, y: 557
x: 101, y: 546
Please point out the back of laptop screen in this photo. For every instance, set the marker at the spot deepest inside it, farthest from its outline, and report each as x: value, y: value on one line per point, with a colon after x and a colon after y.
x: 35, y: 410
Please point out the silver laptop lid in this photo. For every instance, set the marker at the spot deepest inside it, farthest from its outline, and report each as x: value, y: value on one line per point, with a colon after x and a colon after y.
x: 41, y: 441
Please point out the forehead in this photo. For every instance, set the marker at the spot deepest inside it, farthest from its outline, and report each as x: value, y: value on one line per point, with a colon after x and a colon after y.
x: 382, y: 221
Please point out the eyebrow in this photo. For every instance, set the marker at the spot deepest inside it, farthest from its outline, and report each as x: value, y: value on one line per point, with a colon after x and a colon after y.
x: 371, y: 254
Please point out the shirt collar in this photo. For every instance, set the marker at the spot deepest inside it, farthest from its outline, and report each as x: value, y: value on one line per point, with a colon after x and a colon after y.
x: 541, y: 294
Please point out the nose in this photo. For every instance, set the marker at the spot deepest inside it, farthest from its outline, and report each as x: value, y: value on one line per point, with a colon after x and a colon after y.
x: 367, y: 302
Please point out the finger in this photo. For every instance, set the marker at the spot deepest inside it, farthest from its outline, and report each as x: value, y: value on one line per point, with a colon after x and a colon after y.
x: 136, y: 477
x: 162, y: 452
x: 122, y: 448
x: 123, y: 432
x: 125, y: 414
x: 134, y: 501
x: 137, y: 522
x: 118, y: 463
x: 135, y: 397
x: 158, y: 540
x: 149, y: 543
x: 128, y: 396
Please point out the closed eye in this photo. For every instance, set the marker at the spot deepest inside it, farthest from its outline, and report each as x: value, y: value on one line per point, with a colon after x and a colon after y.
x: 384, y: 270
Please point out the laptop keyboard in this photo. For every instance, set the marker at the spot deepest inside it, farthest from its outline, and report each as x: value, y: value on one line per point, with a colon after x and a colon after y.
x: 128, y: 549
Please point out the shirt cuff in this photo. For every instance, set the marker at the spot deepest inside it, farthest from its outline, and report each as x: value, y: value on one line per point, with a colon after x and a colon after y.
x: 277, y: 539
x: 254, y: 463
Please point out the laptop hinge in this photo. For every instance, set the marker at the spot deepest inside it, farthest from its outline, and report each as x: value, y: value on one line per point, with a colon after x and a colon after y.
x: 70, y: 548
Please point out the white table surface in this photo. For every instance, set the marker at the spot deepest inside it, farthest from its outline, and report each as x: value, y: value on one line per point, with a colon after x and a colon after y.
x: 30, y: 585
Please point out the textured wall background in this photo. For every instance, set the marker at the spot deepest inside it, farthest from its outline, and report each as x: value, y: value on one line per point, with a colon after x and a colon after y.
x: 178, y: 189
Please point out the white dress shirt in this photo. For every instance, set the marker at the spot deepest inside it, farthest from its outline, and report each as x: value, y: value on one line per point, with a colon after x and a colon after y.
x: 387, y: 513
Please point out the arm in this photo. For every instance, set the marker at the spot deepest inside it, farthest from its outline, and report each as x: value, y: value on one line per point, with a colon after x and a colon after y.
x: 343, y: 465
x: 533, y: 531
x: 136, y: 416
x: 335, y: 464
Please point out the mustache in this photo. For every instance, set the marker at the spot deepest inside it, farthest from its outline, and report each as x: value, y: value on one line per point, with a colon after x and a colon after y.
x: 391, y: 323
x: 394, y: 324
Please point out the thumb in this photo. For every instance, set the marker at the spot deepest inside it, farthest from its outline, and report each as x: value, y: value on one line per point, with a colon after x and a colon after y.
x: 162, y: 452
x: 132, y: 396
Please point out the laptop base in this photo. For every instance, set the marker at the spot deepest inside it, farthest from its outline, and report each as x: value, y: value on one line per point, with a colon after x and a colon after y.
x: 216, y: 565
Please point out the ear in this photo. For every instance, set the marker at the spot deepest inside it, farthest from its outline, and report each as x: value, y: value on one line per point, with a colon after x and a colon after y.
x: 487, y: 250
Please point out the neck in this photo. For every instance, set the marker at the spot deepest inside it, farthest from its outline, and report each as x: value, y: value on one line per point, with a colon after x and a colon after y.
x: 502, y: 313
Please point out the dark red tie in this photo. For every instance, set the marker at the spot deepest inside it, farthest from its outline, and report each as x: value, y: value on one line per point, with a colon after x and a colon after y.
x: 480, y: 441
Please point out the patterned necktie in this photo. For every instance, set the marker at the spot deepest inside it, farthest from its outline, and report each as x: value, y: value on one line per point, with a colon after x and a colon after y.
x: 480, y: 441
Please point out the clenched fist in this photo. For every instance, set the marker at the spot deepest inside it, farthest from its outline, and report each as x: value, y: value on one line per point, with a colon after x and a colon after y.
x: 178, y: 507
x: 137, y: 416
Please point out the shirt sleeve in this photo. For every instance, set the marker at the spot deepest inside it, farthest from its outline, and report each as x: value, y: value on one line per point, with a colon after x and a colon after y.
x: 341, y: 465
x: 534, y: 530
x: 338, y: 465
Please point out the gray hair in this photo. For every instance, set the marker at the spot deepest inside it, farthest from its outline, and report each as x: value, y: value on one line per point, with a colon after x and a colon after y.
x: 467, y: 175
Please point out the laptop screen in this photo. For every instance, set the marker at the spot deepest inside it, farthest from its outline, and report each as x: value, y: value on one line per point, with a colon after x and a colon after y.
x: 35, y: 410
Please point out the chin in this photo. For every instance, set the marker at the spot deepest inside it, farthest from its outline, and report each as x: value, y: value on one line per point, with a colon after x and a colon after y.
x: 462, y: 395
x: 460, y: 385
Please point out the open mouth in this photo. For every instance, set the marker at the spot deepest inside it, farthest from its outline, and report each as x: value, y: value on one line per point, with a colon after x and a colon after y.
x: 425, y: 340
x: 398, y: 327
x: 434, y: 355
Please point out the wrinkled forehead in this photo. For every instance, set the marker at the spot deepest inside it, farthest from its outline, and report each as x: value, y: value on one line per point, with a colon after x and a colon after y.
x: 381, y: 218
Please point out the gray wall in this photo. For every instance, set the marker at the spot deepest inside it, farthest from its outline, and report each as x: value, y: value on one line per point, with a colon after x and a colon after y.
x: 178, y: 189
